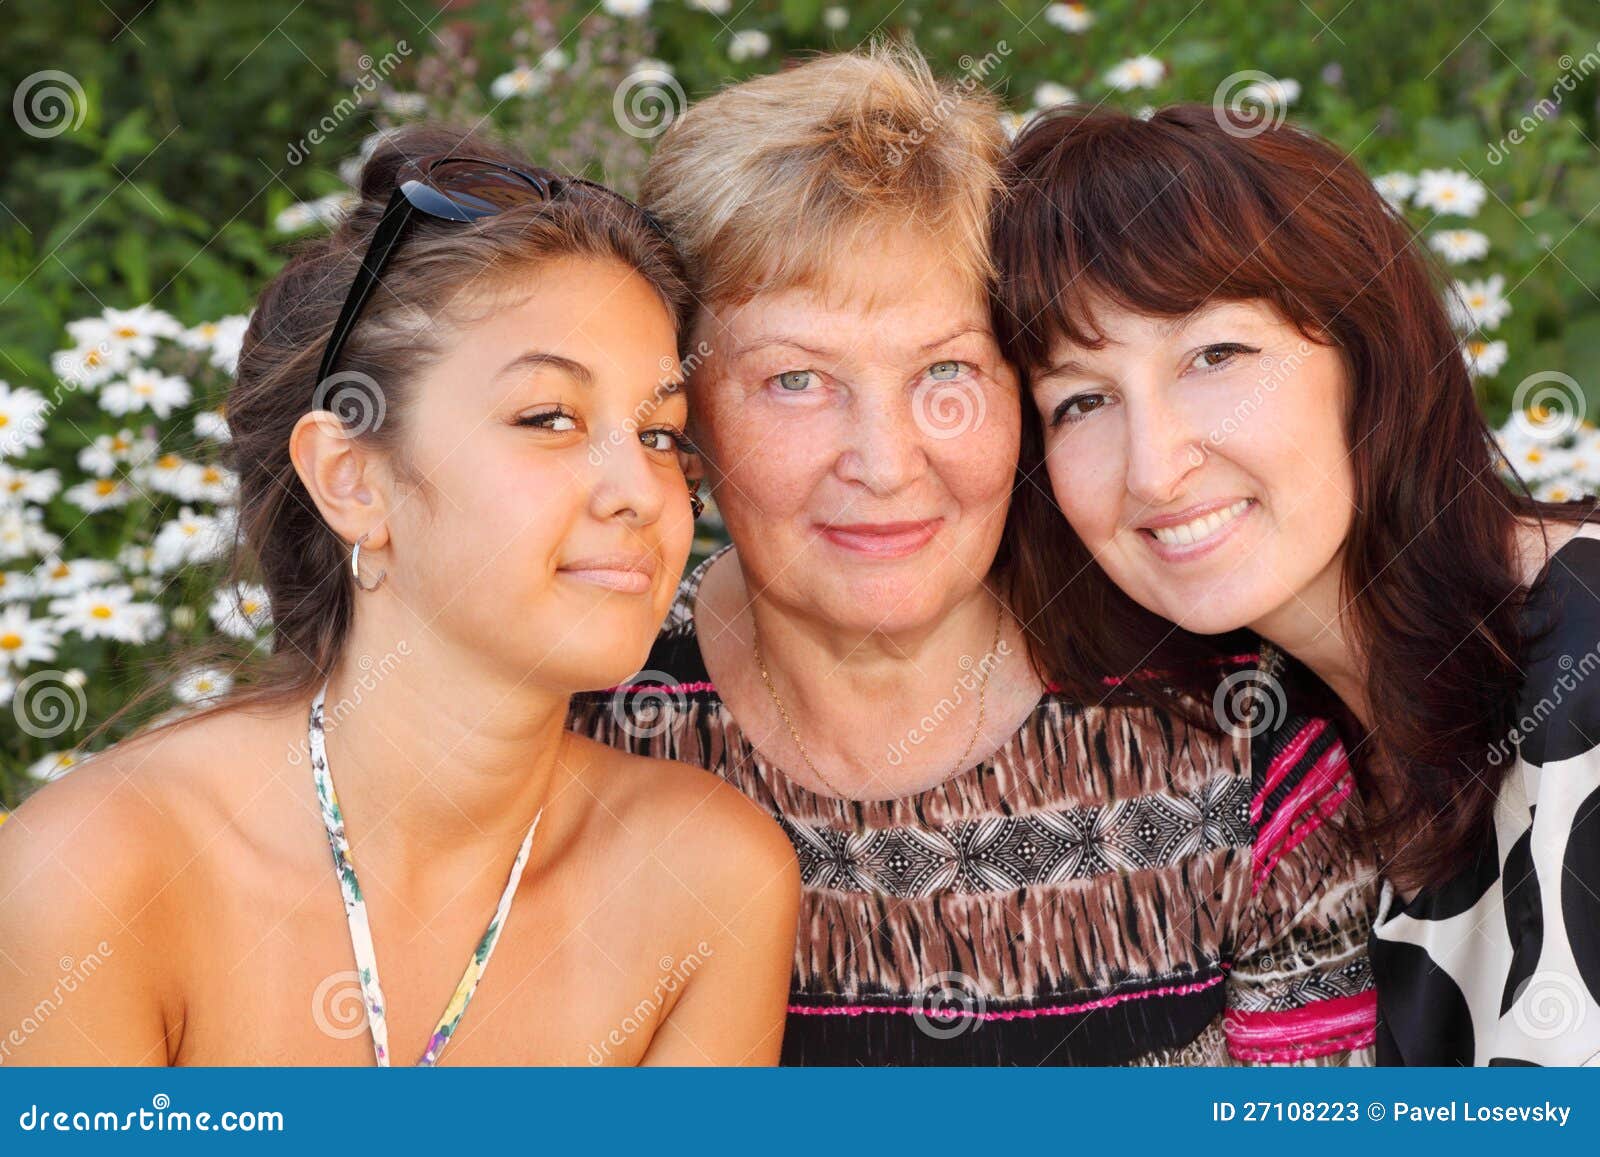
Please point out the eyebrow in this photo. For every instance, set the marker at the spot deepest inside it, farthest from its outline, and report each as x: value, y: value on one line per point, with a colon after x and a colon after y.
x: 783, y: 339
x: 541, y: 359
x: 981, y: 330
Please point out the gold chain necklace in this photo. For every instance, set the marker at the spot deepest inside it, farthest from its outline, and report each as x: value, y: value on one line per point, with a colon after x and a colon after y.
x: 794, y: 732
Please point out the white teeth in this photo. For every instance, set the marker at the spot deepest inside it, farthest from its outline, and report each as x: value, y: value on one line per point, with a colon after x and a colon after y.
x: 1200, y: 528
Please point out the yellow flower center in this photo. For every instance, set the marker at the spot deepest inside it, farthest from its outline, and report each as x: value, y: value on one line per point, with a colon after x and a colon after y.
x: 168, y: 462
x: 127, y: 331
x: 211, y: 475
x: 60, y: 570
x: 5, y: 419
x: 92, y: 358
x: 11, y: 642
x: 106, y: 487
x: 100, y: 611
x: 248, y: 607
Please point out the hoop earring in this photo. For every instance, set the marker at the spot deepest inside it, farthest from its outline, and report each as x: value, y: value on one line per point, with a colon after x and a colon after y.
x: 355, y: 566
x: 697, y: 505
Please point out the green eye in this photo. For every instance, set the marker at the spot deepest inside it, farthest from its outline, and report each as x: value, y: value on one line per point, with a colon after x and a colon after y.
x: 795, y: 380
x: 944, y: 371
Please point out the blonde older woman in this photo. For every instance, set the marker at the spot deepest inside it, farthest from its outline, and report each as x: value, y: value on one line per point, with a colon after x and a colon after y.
x: 993, y: 871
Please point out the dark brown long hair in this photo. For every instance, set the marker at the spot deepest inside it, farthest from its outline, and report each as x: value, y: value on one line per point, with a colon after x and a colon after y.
x: 1159, y: 216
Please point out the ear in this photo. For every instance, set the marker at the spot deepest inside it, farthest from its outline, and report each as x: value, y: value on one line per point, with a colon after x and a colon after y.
x: 348, y: 482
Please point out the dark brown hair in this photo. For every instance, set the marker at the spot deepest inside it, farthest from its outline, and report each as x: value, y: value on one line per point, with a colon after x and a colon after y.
x: 1159, y: 216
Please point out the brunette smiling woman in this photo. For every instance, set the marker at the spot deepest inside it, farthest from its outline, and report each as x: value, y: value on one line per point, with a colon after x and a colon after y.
x: 1254, y: 414
x: 501, y: 514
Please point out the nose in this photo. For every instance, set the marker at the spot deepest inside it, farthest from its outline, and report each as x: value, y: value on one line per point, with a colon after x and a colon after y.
x: 885, y: 448
x: 1163, y: 449
x: 625, y: 484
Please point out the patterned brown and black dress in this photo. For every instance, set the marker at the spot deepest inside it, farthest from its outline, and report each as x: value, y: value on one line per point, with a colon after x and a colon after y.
x: 1110, y: 887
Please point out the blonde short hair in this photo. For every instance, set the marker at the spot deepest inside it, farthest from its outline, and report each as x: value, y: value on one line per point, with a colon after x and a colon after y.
x: 764, y: 183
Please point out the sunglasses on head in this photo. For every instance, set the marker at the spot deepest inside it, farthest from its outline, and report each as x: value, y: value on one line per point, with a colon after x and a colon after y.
x: 450, y: 188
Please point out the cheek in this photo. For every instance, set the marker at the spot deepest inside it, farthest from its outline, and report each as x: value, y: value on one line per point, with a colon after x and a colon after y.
x: 771, y: 463
x: 1086, y: 479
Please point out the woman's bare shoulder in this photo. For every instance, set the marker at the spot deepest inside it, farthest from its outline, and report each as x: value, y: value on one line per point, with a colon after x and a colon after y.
x: 698, y: 825
x: 123, y: 824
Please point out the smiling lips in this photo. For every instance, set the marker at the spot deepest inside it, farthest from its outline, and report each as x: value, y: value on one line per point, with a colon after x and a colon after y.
x: 1195, y: 531
x: 632, y: 574
x: 883, y: 539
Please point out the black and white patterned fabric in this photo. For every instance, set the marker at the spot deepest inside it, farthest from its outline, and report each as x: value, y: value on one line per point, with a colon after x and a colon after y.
x: 1501, y: 965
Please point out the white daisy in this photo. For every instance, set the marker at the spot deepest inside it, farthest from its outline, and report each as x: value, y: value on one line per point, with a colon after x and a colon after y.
x: 130, y: 331
x: 715, y: 7
x: 241, y: 611
x: 1458, y: 246
x: 520, y: 81
x: 109, y: 451
x: 1479, y: 304
x: 229, y: 338
x: 836, y: 18
x: 15, y: 586
x: 553, y: 59
x: 161, y: 474
x: 626, y: 8
x: 97, y: 494
x: 1012, y: 123
x: 1050, y: 94
x: 201, y: 685
x: 749, y: 43
x: 404, y: 104
x: 28, y: 485
x: 212, y: 424
x: 206, y: 482
x: 1395, y: 188
x: 135, y: 558
x: 145, y: 389
x: 1447, y: 191
x: 88, y: 366
x: 55, y: 765
x: 22, y: 417
x: 189, y: 539
x: 23, y: 533
x: 1484, y: 358
x: 1277, y: 93
x: 1070, y: 17
x: 1136, y: 72
x: 24, y: 639
x: 107, y: 613
x: 63, y: 577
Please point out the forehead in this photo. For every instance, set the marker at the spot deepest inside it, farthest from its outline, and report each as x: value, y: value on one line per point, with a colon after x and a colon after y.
x: 896, y: 297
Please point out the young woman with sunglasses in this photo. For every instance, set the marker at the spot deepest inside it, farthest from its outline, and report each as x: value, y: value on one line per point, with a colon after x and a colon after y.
x: 473, y: 509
